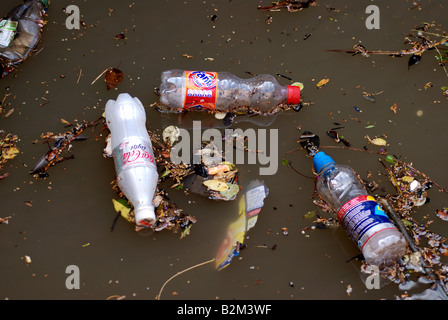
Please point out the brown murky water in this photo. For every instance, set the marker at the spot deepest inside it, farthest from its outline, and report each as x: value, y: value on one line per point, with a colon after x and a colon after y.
x: 69, y: 222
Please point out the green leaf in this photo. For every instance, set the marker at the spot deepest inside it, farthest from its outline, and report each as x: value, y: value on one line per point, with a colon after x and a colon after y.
x: 390, y: 159
x: 309, y: 215
x: 285, y: 162
x: 124, y: 202
x: 407, y: 223
x: 180, y: 187
x: 370, y: 126
x: 167, y: 172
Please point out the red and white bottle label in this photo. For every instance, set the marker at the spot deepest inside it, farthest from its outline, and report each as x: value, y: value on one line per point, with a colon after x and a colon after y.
x: 362, y: 217
x: 201, y: 90
x: 133, y: 152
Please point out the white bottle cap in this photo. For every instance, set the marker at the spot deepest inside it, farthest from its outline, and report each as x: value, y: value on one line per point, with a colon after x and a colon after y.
x: 144, y: 216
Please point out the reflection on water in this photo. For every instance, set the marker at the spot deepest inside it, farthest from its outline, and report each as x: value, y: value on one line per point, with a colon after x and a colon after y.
x: 66, y: 218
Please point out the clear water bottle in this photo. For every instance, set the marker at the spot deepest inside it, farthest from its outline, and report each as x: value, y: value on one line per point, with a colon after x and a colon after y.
x: 222, y: 91
x: 133, y: 155
x: 361, y: 216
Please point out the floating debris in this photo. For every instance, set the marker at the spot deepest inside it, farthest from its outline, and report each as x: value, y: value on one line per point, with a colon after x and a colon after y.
x: 426, y: 248
x: 8, y: 149
x: 442, y: 214
x: 21, y: 31
x: 113, y: 78
x: 420, y: 39
x: 291, y: 6
x: 218, y: 176
x: 63, y: 143
x: 333, y: 134
x: 394, y: 108
x: 322, y: 83
x: 376, y: 141
x: 168, y: 215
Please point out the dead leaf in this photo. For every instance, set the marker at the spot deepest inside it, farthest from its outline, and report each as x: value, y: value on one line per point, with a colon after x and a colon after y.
x: 10, y: 153
x: 216, y: 185
x: 394, y: 108
x: 65, y: 121
x: 124, y: 210
x: 113, y: 77
x: 9, y: 113
x: 378, y: 142
x: 442, y: 214
x: 322, y: 82
x: 120, y: 36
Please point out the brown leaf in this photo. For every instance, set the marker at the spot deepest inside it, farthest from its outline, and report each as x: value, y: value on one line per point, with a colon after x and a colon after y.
x: 394, y: 108
x: 120, y: 36
x: 113, y: 77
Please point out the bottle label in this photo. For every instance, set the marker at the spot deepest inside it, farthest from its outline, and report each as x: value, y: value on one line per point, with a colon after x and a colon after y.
x: 362, y: 217
x: 201, y: 87
x: 133, y: 152
x: 7, y: 31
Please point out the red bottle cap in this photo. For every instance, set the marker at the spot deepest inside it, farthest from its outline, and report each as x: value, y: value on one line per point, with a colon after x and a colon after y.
x: 293, y: 95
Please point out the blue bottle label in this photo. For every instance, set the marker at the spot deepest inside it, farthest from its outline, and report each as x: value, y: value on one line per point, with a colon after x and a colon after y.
x: 362, y: 217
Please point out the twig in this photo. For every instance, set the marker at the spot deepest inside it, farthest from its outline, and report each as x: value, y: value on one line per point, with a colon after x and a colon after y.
x: 79, y: 76
x: 441, y: 57
x: 354, y: 149
x: 179, y: 273
x: 431, y: 33
x: 391, y: 53
x: 399, y: 223
x: 297, y: 171
x: 423, y: 175
x: 96, y: 79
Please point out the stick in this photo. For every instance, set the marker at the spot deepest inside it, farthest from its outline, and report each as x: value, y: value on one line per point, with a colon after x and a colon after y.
x: 386, y: 205
x: 394, y: 53
x: 423, y: 175
x: 297, y: 171
x: 179, y: 273
x: 79, y: 76
x: 96, y: 79
x: 354, y: 149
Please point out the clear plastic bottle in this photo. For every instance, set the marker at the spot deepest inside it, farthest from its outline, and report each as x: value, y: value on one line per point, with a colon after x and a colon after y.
x: 222, y: 91
x: 133, y: 155
x: 361, y: 216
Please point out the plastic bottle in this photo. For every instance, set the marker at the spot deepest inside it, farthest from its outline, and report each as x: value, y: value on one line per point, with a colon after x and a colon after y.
x: 222, y: 91
x: 20, y: 32
x: 361, y: 216
x: 133, y: 155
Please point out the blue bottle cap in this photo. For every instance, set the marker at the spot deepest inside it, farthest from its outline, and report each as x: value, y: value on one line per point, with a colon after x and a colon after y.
x: 321, y: 161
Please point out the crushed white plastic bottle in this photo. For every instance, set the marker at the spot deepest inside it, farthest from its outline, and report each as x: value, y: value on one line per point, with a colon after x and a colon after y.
x: 133, y: 155
x: 222, y: 91
x: 380, y: 242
